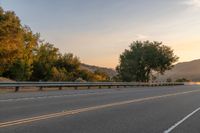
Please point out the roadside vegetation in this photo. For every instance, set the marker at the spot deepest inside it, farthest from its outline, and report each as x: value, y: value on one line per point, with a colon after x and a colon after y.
x: 143, y: 59
x: 24, y: 56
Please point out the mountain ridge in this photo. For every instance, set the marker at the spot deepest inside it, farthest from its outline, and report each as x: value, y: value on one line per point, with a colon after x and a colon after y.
x: 110, y: 71
x: 189, y: 70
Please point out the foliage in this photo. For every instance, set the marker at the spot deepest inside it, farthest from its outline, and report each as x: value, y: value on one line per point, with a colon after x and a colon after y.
x: 11, y: 39
x: 138, y: 62
x: 17, y: 71
x: 182, y: 80
x: 58, y: 74
x: 16, y: 47
x: 45, y: 58
x: 101, y: 76
x: 169, y: 80
x: 86, y: 75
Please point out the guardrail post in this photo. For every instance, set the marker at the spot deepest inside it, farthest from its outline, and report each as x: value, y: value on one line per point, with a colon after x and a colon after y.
x: 100, y: 87
x: 60, y: 88
x: 16, y: 88
x: 41, y: 88
x: 109, y: 86
x: 88, y: 87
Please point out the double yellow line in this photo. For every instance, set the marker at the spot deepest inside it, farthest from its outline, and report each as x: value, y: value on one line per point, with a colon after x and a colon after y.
x: 76, y: 111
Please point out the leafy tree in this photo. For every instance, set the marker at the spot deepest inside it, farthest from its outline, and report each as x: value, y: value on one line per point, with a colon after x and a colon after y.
x: 45, y: 58
x: 116, y: 78
x: 101, y: 76
x: 11, y: 39
x: 70, y: 64
x: 17, y: 44
x: 58, y: 75
x: 49, y: 64
x: 30, y: 43
x: 138, y: 62
x: 86, y: 75
x: 18, y: 71
x: 68, y: 61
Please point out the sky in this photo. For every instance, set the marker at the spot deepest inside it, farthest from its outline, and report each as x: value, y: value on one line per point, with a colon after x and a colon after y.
x: 98, y: 31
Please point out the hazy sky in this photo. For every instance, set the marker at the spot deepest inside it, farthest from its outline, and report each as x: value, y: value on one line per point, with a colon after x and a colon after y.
x: 98, y: 31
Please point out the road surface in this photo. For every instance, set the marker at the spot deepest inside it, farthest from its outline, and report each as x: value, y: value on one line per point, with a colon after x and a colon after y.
x: 169, y: 109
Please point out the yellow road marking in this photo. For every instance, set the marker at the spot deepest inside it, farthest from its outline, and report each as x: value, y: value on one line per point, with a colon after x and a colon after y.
x: 76, y: 111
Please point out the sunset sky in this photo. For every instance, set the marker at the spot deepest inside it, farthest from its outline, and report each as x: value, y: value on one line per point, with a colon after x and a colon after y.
x: 98, y: 31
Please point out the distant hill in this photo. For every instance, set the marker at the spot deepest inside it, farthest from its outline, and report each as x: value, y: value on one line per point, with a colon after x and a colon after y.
x: 111, y: 72
x: 189, y: 70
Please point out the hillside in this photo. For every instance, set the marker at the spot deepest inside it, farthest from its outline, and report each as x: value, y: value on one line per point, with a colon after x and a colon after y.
x: 111, y: 72
x: 189, y: 70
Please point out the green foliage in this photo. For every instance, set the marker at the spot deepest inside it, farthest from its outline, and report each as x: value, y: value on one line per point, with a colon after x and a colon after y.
x: 16, y: 47
x: 11, y: 39
x: 58, y: 74
x: 101, y: 76
x: 182, y: 80
x: 138, y: 63
x: 49, y: 64
x: 68, y: 61
x: 18, y: 71
x: 24, y: 56
x: 169, y: 80
x: 116, y: 78
x: 86, y: 75
x: 45, y: 58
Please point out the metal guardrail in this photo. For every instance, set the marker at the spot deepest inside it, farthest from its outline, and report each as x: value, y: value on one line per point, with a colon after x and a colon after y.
x: 41, y: 85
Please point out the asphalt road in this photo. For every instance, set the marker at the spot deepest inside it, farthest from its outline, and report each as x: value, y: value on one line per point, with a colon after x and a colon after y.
x: 123, y: 110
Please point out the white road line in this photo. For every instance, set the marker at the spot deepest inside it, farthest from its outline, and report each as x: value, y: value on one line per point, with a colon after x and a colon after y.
x: 181, y: 121
x: 92, y: 108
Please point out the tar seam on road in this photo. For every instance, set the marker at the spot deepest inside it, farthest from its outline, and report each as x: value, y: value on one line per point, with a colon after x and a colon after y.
x: 181, y: 121
x: 76, y: 111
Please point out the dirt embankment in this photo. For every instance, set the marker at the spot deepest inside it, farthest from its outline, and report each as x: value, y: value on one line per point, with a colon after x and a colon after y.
x: 2, y: 79
x: 6, y: 89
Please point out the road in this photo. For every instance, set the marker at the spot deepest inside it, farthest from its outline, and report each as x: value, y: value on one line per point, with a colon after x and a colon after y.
x: 173, y: 109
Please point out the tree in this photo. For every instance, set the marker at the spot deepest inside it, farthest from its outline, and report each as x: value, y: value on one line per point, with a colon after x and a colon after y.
x: 50, y: 64
x: 18, y: 71
x: 45, y: 58
x: 30, y: 43
x: 70, y: 64
x: 24, y: 56
x: 58, y: 75
x: 68, y: 61
x: 11, y: 39
x: 86, y: 75
x: 17, y: 44
x: 143, y: 58
x: 101, y: 76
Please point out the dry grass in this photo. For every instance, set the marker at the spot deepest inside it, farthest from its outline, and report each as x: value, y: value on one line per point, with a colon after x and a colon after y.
x: 2, y: 79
